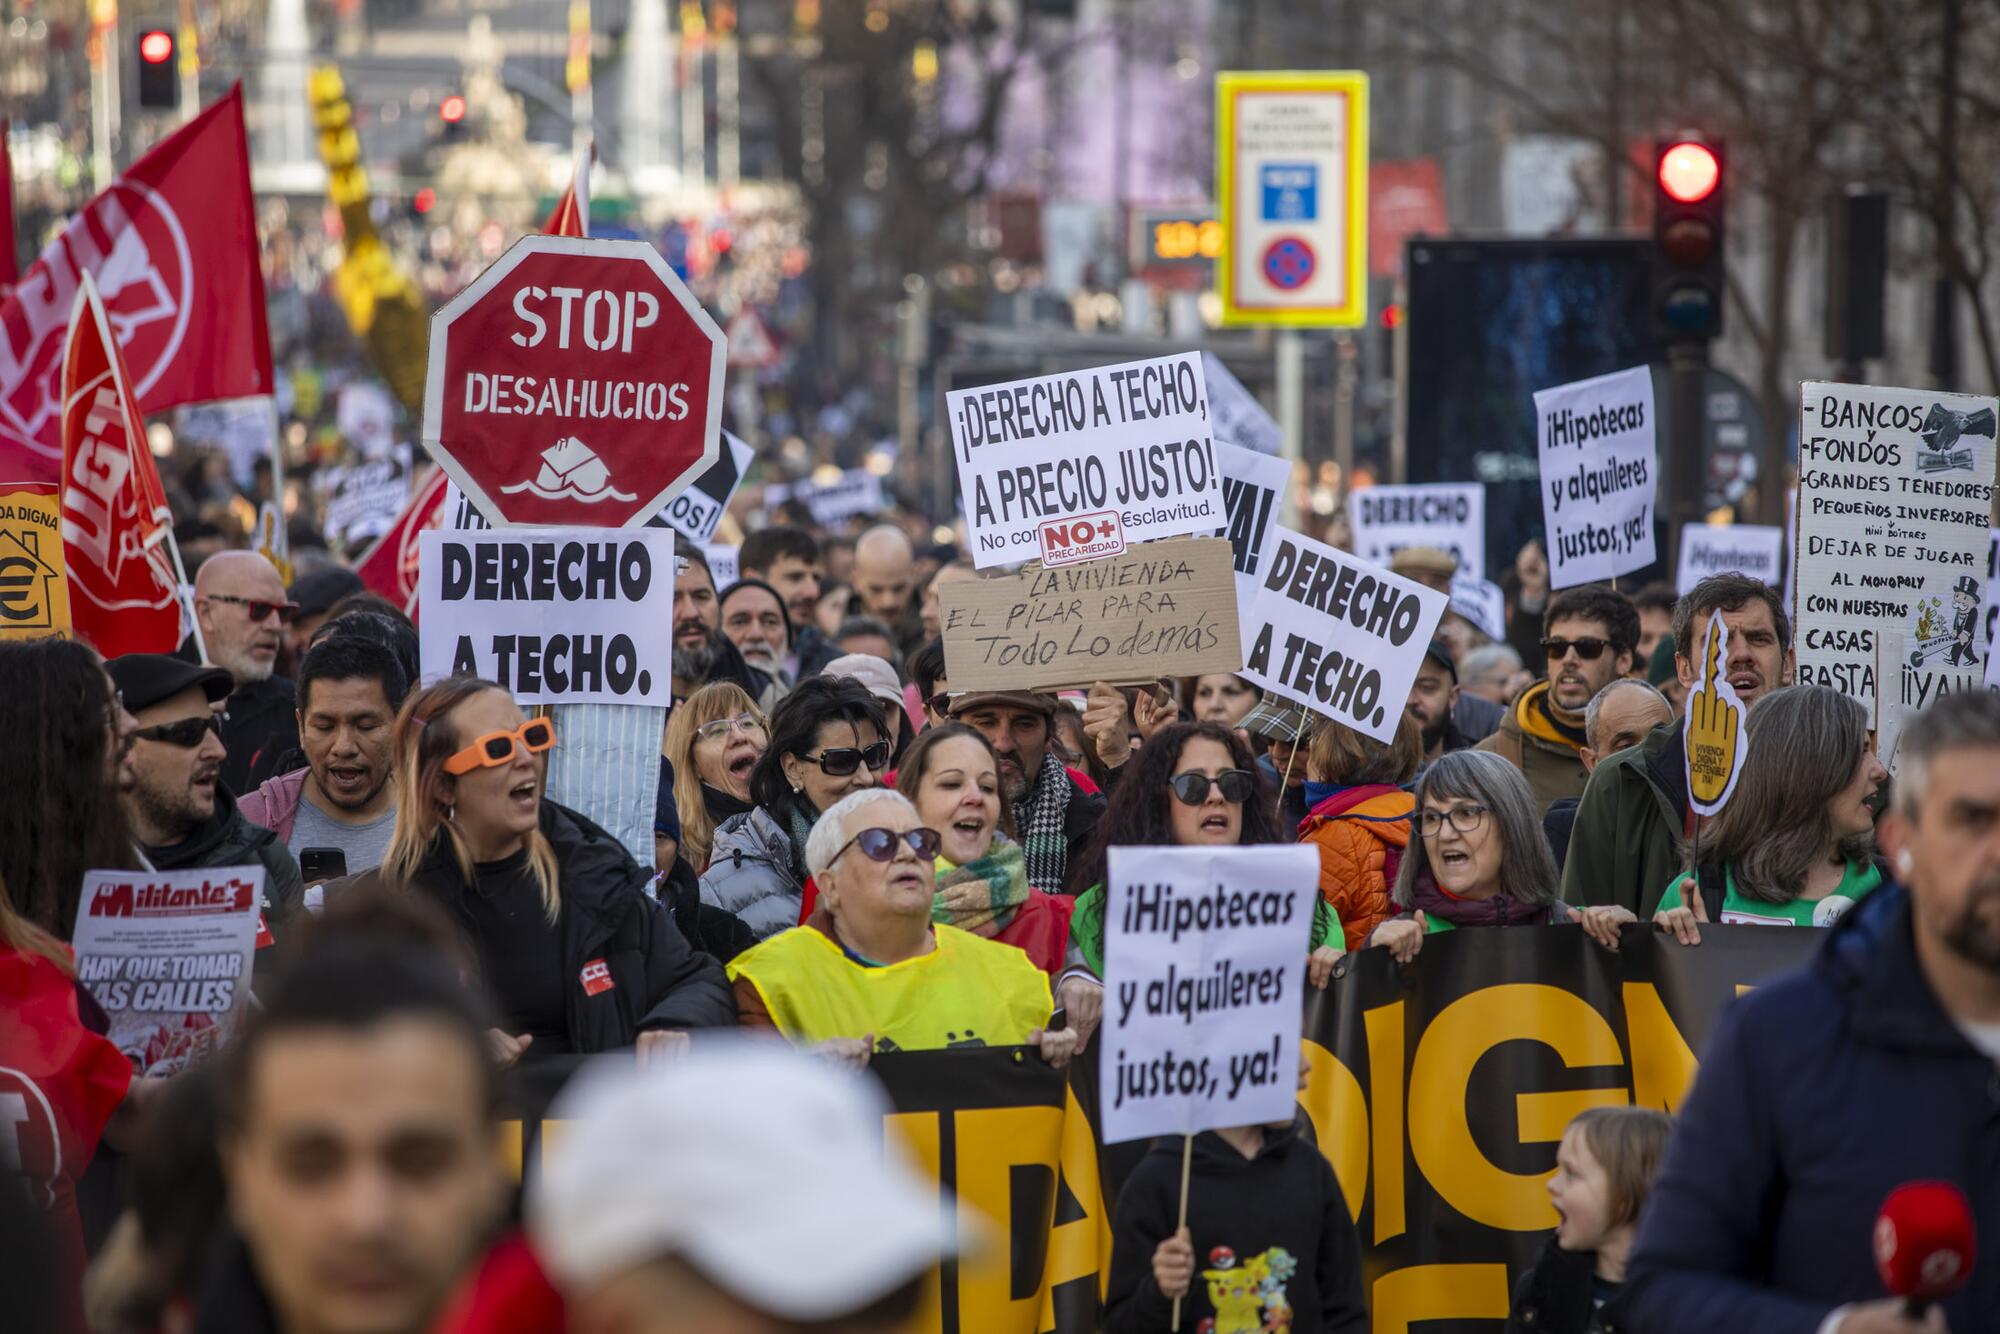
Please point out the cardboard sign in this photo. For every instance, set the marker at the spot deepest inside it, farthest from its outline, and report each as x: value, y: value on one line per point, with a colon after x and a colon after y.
x: 1204, y: 970
x: 1733, y: 548
x: 857, y: 492
x: 1599, y: 472
x: 1895, y: 486
x: 1449, y: 516
x: 557, y: 616
x: 1239, y: 418
x: 1134, y: 438
x: 1335, y: 634
x: 1163, y: 609
x: 34, y: 591
x: 695, y: 512
x: 1716, y: 739
x: 167, y: 954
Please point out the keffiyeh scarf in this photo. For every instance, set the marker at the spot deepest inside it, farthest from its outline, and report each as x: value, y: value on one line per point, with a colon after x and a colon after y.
x: 982, y: 896
x: 1039, y: 816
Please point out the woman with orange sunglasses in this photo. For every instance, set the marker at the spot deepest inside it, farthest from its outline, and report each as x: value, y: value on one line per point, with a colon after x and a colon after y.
x: 578, y: 957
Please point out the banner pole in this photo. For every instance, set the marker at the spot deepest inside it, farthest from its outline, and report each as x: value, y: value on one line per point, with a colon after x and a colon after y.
x: 184, y: 594
x: 1187, y: 1163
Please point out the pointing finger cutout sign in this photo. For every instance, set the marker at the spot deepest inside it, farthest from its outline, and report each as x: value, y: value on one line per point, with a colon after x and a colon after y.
x: 1713, y: 727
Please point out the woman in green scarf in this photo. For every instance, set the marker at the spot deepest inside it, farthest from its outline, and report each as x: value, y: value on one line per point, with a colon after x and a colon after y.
x: 953, y: 777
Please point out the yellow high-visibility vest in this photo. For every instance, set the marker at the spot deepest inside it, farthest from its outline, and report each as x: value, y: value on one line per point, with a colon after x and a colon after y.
x: 969, y: 991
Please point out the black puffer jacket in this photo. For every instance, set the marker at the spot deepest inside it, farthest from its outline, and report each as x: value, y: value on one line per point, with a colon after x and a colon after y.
x: 658, y: 980
x: 1555, y: 1296
x: 227, y: 839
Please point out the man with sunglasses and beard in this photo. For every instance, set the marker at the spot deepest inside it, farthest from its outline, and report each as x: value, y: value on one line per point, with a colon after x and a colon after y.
x: 1588, y: 635
x: 180, y: 812
x: 241, y: 605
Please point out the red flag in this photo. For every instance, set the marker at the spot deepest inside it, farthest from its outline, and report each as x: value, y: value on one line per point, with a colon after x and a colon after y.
x: 10, y: 264
x: 116, y: 527
x: 173, y: 247
x: 389, y: 568
x: 572, y: 214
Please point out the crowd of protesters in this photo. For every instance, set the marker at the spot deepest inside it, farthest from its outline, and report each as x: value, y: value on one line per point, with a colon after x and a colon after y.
x: 853, y: 857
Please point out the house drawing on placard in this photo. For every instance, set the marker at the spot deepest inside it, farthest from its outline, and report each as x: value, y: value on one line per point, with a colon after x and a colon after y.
x: 27, y: 581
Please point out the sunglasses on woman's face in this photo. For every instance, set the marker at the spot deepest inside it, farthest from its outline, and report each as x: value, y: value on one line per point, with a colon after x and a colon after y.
x: 841, y: 761
x: 497, y: 748
x: 1236, y: 785
x: 879, y: 845
x: 747, y: 723
x: 186, y: 733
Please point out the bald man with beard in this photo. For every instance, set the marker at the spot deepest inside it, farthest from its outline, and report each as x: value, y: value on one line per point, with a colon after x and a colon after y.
x: 243, y: 610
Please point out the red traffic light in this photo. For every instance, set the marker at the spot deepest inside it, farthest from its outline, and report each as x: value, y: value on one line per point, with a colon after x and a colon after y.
x: 424, y: 200
x: 1392, y: 315
x: 156, y: 47
x: 452, y: 109
x: 1689, y: 172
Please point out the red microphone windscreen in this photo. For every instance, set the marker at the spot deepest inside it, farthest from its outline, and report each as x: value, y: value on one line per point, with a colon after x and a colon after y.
x: 1924, y: 1242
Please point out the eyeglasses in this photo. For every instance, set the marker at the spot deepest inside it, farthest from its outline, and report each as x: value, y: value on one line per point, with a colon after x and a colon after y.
x: 844, y: 760
x: 879, y: 845
x: 259, y: 609
x: 747, y: 723
x: 187, y: 733
x: 1191, y: 789
x: 1589, y: 649
x: 497, y: 748
x: 1465, y: 819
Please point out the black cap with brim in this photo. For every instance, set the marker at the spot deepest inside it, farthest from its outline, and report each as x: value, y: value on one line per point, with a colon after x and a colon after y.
x: 146, y: 679
x: 1440, y: 652
x: 317, y: 590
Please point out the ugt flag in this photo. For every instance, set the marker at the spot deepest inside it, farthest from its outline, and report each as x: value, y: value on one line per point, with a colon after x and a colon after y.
x: 172, y: 246
x: 123, y: 595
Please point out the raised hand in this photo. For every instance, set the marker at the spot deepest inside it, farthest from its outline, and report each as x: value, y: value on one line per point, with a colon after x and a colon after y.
x: 1714, y: 729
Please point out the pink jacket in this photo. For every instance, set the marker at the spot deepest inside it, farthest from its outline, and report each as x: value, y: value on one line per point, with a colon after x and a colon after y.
x: 275, y: 805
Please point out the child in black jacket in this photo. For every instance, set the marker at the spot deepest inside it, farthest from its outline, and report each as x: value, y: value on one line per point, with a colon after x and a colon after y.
x: 1604, y: 1169
x: 1270, y: 1247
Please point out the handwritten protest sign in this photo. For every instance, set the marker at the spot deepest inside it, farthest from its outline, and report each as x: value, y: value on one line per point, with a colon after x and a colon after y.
x: 1131, y: 440
x: 1204, y: 958
x: 555, y: 615
x: 855, y: 492
x: 1239, y: 418
x: 1894, y: 491
x: 1448, y: 516
x: 1599, y: 473
x: 695, y: 512
x: 167, y: 954
x: 1712, y: 727
x: 364, y: 500
x: 1163, y: 609
x: 1333, y: 633
x: 1733, y: 548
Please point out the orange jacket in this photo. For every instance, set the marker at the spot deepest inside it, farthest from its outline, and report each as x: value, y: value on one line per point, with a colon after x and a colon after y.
x: 1357, y: 831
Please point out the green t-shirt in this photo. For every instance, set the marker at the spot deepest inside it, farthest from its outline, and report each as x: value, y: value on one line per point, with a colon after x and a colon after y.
x: 1086, y: 927
x: 1856, y: 883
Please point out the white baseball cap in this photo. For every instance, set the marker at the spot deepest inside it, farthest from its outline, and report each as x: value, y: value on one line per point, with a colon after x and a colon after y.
x: 878, y: 676
x: 771, y: 1172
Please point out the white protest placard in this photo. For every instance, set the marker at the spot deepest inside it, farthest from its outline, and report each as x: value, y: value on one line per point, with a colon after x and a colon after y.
x: 362, y: 502
x: 721, y: 565
x: 1204, y: 975
x: 1127, y: 445
x: 1895, y: 486
x: 1599, y: 470
x: 168, y: 954
x: 1450, y: 516
x: 1253, y: 496
x: 1337, y: 635
x: 1239, y: 418
x: 695, y: 512
x: 1730, y: 548
x: 1482, y: 602
x: 555, y: 615
x: 855, y: 492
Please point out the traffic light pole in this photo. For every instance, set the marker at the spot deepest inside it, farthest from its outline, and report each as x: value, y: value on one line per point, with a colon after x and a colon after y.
x: 1687, y: 366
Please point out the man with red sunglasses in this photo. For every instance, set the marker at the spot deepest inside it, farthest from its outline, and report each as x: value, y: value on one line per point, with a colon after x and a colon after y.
x: 241, y: 604
x: 180, y: 813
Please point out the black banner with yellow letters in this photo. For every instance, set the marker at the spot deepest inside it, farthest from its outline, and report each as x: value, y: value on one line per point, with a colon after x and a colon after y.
x: 1437, y: 1090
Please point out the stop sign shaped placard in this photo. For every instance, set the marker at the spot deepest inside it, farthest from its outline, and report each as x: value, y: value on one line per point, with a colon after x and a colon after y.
x: 574, y: 382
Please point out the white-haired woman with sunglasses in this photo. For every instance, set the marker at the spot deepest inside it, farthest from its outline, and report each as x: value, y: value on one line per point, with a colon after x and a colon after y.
x: 1480, y: 858
x: 870, y: 971
x: 827, y: 739
x: 579, y: 959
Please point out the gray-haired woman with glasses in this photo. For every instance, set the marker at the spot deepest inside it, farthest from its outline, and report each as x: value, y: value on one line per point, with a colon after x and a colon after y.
x: 1479, y: 859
